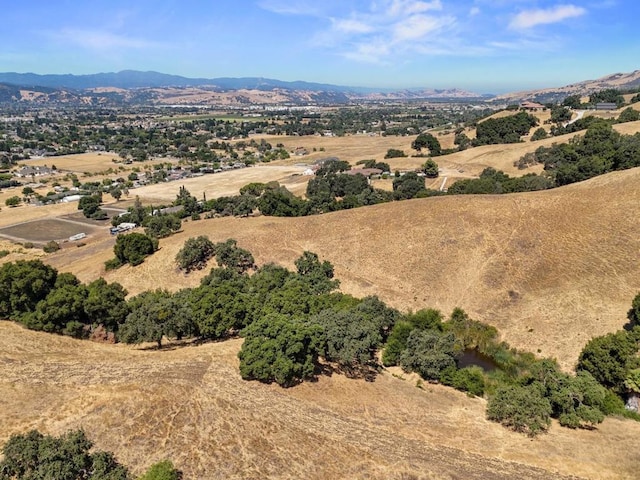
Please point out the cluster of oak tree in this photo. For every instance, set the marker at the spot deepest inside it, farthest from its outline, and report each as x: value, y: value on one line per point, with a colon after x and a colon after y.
x: 71, y: 456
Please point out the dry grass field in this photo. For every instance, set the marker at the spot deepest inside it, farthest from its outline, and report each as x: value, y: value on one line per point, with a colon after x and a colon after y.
x: 189, y: 404
x: 225, y: 183
x: 83, y: 162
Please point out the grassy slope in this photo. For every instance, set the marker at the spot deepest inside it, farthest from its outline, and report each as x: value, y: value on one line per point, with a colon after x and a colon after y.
x: 189, y: 404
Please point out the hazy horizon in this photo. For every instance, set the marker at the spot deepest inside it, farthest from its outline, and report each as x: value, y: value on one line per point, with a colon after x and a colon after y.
x: 478, y: 45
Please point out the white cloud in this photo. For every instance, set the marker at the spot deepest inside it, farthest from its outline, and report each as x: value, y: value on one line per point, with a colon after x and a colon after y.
x: 531, y: 18
x: 419, y: 26
x: 352, y: 26
x: 474, y: 11
x: 409, y: 7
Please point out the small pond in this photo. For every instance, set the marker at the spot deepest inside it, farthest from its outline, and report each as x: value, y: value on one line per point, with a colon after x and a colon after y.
x: 474, y: 357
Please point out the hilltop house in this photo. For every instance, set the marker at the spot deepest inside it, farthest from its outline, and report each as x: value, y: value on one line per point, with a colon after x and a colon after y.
x: 531, y: 106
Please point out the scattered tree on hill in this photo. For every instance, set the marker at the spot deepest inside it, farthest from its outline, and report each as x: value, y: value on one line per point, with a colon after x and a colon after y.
x: 629, y: 115
x: 560, y: 114
x: 22, y: 285
x: 462, y: 140
x: 318, y: 274
x: 161, y: 225
x: 539, y: 134
x: 195, y: 253
x: 133, y: 248
x: 608, y: 95
x: 610, y: 358
x: 428, y: 141
x: 61, y: 310
x: 90, y: 206
x: 407, y: 186
x: 504, y: 130
x: 33, y: 456
x: 333, y: 165
x: 428, y: 353
x: 228, y: 254
x: 106, y: 304
x: 572, y: 101
x: 430, y: 168
x: 634, y: 313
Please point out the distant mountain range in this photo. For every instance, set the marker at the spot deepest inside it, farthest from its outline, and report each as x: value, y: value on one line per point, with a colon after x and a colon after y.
x: 130, y: 86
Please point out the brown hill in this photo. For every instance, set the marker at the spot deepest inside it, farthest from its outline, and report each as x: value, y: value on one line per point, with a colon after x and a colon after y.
x: 585, y: 88
x: 550, y: 269
x: 190, y: 405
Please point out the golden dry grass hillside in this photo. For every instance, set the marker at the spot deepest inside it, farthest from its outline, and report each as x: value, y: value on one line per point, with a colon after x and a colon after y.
x: 189, y: 404
x: 550, y: 269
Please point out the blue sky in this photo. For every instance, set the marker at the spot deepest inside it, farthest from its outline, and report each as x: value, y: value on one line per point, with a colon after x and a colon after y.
x: 488, y: 46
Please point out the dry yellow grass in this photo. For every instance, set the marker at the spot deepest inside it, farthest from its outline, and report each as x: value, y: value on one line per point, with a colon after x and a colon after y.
x: 190, y: 405
x: 225, y: 183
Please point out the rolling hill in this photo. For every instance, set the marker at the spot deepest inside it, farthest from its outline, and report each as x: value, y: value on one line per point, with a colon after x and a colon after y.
x: 621, y: 81
x: 550, y: 269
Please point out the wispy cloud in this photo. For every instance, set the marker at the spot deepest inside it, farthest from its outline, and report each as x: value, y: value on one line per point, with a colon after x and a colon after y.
x: 100, y: 40
x: 388, y: 32
x: 531, y: 18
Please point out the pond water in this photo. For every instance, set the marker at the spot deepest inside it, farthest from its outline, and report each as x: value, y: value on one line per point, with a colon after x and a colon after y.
x: 474, y: 357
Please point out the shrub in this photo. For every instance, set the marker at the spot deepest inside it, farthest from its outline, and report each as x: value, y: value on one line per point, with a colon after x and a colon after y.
x: 468, y: 379
x: 51, y: 247
x: 394, y: 153
x: 162, y: 471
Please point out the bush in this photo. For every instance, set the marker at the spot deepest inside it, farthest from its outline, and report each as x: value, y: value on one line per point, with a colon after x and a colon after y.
x: 12, y: 201
x: 468, y: 379
x: 162, y: 471
x: 112, y: 264
x: 51, y: 247
x: 395, y: 153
